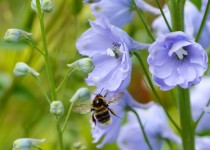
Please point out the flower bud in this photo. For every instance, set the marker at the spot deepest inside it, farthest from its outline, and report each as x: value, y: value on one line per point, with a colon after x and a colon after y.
x: 56, y: 108
x: 85, y: 65
x: 16, y: 35
x: 90, y: 1
x: 26, y: 143
x: 22, y: 69
x: 82, y: 95
x: 46, y: 5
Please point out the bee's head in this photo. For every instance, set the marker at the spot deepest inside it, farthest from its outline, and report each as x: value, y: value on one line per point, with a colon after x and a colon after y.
x: 98, y: 101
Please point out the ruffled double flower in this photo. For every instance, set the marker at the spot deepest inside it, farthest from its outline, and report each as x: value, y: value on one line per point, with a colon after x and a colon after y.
x: 175, y: 59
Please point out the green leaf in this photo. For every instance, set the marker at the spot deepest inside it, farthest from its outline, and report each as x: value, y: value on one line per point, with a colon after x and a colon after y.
x: 197, y: 3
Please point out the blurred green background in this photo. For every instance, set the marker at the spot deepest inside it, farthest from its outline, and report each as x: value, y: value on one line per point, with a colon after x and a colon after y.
x: 23, y: 110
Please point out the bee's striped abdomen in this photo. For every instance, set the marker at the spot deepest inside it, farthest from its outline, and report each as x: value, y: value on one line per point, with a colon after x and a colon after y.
x: 102, y: 116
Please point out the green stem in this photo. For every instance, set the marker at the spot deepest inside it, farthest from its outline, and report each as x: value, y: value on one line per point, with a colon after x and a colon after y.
x: 141, y: 15
x: 46, y: 56
x: 34, y: 46
x: 164, y: 17
x: 201, y: 115
x: 64, y: 79
x: 186, y: 119
x: 67, y: 117
x: 42, y: 89
x: 142, y: 127
x: 187, y: 126
x: 203, y: 22
x: 177, y: 14
x: 154, y: 91
x: 60, y: 138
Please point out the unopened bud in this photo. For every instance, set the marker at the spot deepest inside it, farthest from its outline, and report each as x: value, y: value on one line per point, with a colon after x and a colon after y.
x: 16, y: 35
x: 82, y: 95
x: 56, y: 108
x: 26, y: 143
x: 22, y: 69
x: 90, y: 1
x: 46, y: 5
x: 85, y: 65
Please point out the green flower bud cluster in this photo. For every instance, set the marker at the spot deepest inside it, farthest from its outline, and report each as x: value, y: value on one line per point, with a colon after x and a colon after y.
x: 26, y: 143
x: 82, y: 95
x: 16, y: 35
x: 46, y: 5
x: 56, y: 108
x: 85, y: 65
x: 22, y: 69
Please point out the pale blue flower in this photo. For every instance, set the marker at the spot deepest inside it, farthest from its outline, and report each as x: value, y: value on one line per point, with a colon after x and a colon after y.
x: 155, y: 125
x: 192, y: 17
x: 109, y: 134
x: 202, y: 143
x: 200, y: 96
x: 175, y: 59
x: 108, y: 46
x: 120, y: 12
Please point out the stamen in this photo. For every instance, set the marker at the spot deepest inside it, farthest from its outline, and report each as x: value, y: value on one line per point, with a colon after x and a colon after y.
x: 181, y: 53
x: 114, y: 51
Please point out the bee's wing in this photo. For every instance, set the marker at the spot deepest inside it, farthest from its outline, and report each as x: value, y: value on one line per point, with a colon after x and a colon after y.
x: 115, y: 98
x: 82, y: 108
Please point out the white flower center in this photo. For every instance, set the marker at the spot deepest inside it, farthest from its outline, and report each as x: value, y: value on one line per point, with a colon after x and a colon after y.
x: 181, y: 53
x: 114, y: 51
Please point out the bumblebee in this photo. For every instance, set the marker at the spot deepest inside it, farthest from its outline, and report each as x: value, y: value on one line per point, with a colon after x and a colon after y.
x: 100, y: 108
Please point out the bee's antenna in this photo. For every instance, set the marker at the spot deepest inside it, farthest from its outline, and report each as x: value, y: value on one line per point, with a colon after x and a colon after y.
x: 101, y: 90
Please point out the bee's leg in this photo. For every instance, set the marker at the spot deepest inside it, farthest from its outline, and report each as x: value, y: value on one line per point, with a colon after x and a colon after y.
x: 113, y: 113
x: 93, y: 120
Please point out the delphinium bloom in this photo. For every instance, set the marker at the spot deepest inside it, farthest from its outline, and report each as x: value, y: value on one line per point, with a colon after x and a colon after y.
x: 175, y: 59
x: 200, y: 96
x: 155, y: 125
x: 108, y: 46
x: 192, y: 17
x: 120, y: 12
x: 202, y: 143
x: 109, y: 133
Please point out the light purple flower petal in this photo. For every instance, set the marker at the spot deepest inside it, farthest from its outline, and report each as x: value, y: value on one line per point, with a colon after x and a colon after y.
x: 202, y: 143
x: 120, y: 12
x: 183, y: 61
x: 200, y: 96
x: 155, y: 126
x: 192, y: 17
x: 109, y: 47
